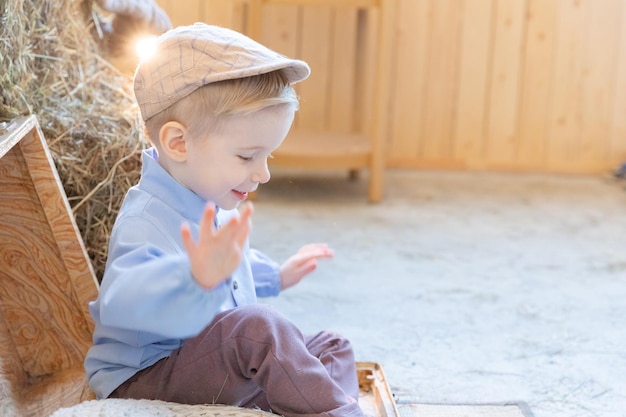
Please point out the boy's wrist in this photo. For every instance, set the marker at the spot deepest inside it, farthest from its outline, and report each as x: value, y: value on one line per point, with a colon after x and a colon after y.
x: 207, y: 282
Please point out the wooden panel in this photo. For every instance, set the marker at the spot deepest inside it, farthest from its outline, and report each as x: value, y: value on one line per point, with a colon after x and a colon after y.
x: 33, y: 271
x: 333, y: 3
x: 184, y: 12
x: 441, y: 76
x: 565, y: 121
x: 315, y: 48
x: 473, y: 80
x: 617, y: 137
x: 280, y: 32
x: 330, y: 38
x: 330, y: 150
x: 476, y: 84
x: 280, y: 29
x: 342, y: 84
x: 504, y: 90
x: 535, y: 100
x: 229, y: 14
x: 365, y: 77
x: 601, y: 42
x: 409, y: 79
x: 81, y: 283
x: 46, y: 279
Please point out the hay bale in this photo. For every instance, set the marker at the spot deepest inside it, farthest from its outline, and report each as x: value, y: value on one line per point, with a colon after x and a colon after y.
x: 51, y: 66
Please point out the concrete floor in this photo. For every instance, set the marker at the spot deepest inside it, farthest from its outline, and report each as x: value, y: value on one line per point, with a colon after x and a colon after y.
x: 465, y: 287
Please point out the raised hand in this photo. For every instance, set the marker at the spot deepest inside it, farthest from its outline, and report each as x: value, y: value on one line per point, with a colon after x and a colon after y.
x: 303, y: 263
x: 218, y: 252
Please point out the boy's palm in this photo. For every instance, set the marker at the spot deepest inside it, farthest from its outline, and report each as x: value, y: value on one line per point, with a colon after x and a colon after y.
x: 218, y: 252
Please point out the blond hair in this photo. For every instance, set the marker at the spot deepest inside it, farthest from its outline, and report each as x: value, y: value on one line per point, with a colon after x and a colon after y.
x: 201, y: 111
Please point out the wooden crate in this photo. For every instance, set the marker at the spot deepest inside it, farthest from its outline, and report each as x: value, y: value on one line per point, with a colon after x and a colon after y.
x: 46, y: 281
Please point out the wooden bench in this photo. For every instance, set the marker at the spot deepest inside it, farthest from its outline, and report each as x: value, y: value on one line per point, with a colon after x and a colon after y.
x: 359, y: 143
x: 46, y: 281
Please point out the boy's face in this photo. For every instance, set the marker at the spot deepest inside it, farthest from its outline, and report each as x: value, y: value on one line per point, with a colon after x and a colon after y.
x: 226, y: 165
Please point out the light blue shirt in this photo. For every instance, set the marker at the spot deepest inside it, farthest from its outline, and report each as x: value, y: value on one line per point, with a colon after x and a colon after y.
x: 148, y: 302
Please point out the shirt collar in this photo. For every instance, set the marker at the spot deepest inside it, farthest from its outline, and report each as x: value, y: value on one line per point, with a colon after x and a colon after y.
x: 158, y: 182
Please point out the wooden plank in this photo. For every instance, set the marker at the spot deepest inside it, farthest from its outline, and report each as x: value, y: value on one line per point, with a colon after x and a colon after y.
x: 342, y: 85
x: 566, y: 108
x: 239, y: 14
x: 441, y: 73
x: 561, y: 167
x: 315, y: 48
x: 306, y: 149
x: 380, y: 125
x: 601, y: 42
x: 228, y: 14
x: 505, y: 81
x: 59, y: 216
x: 45, y: 271
x: 537, y: 71
x: 617, y: 137
x: 329, y: 3
x: 280, y: 29
x: 46, y: 280
x: 367, y: 57
x: 183, y: 12
x: 409, y: 78
x: 470, y: 128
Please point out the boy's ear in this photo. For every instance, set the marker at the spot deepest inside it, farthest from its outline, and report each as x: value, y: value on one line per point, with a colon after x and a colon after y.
x: 173, y: 141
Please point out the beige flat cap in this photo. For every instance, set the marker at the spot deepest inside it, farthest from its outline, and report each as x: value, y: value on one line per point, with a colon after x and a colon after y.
x: 188, y: 57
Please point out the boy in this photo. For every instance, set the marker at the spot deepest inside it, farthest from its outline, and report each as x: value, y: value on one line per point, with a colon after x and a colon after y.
x: 176, y: 317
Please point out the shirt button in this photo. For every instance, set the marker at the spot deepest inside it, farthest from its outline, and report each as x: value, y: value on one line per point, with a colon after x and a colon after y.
x: 235, y: 285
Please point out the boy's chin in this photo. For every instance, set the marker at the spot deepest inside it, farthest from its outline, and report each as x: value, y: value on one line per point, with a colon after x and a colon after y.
x: 228, y: 204
x: 231, y: 200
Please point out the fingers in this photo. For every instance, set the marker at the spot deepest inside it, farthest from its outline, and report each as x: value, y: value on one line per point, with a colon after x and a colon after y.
x: 325, y: 253
x: 207, y: 223
x: 218, y: 251
x: 237, y: 228
x: 188, y: 242
x: 309, y: 266
x: 319, y: 248
x: 245, y: 218
x: 313, y: 251
x: 246, y: 210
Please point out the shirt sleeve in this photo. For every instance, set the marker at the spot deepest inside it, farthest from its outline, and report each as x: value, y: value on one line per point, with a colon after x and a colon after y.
x: 266, y: 274
x: 148, y: 285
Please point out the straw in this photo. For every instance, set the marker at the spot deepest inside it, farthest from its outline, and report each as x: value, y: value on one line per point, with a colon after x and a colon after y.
x: 52, y: 65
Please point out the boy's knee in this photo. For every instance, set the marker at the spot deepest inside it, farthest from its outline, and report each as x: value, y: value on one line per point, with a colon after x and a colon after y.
x: 260, y: 313
x: 265, y: 319
x: 341, y: 342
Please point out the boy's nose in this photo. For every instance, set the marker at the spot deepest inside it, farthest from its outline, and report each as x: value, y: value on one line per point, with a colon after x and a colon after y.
x: 262, y: 175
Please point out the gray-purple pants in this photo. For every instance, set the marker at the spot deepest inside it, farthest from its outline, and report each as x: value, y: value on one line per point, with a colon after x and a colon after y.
x: 252, y: 356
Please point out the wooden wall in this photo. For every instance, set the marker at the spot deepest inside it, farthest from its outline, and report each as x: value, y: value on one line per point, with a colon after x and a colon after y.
x: 531, y: 85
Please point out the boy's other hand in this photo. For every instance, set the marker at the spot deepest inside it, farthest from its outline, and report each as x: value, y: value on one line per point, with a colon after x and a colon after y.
x: 303, y: 263
x: 218, y: 252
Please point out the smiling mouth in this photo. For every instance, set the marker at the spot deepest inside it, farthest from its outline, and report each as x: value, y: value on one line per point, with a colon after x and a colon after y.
x: 240, y: 195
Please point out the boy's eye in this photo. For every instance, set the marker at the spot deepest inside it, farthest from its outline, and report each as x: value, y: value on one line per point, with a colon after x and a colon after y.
x: 250, y: 158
